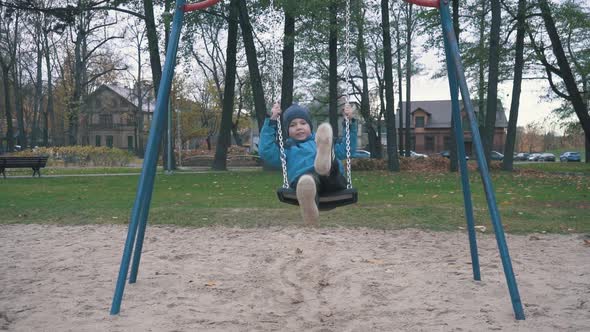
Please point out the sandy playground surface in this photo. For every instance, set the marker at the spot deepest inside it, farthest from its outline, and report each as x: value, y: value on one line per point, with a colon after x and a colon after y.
x: 61, y: 278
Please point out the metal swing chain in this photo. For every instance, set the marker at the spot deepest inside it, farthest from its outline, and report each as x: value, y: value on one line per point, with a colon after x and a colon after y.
x: 348, y: 87
x: 283, y: 155
x: 274, y: 82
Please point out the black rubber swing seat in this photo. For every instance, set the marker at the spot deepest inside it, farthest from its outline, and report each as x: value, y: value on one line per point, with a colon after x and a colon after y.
x: 328, y: 201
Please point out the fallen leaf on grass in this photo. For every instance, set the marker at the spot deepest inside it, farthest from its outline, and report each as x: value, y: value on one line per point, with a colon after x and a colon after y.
x: 481, y: 228
x: 210, y: 283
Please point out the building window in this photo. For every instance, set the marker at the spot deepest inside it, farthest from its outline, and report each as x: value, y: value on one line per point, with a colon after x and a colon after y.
x: 447, y: 143
x: 110, y: 141
x: 106, y: 120
x: 419, y: 122
x: 466, y: 124
x: 98, y: 140
x: 429, y: 143
x: 130, y: 119
x: 130, y: 143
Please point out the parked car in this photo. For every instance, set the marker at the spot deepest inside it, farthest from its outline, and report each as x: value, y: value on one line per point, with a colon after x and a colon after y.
x: 522, y: 156
x: 413, y: 154
x: 447, y: 154
x: 546, y: 157
x: 361, y: 154
x: 570, y: 156
x: 495, y: 155
x: 534, y: 156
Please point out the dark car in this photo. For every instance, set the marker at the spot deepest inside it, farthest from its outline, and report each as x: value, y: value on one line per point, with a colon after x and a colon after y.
x: 447, y: 154
x: 522, y: 156
x: 495, y: 155
x: 570, y: 156
x: 546, y: 157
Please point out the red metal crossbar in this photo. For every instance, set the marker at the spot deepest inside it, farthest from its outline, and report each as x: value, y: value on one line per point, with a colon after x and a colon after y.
x: 199, y: 5
x: 426, y: 3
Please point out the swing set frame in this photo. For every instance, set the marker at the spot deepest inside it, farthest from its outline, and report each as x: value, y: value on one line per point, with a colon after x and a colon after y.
x: 457, y: 84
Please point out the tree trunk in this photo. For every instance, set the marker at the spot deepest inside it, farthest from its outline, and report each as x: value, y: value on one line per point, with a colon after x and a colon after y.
x: 288, y: 57
x: 38, y: 103
x: 381, y: 93
x: 18, y: 105
x: 408, y: 73
x: 393, y: 160
x: 8, y: 108
x: 508, y: 161
x: 234, y: 127
x: 493, y: 73
x: 365, y: 104
x: 575, y: 95
x: 154, y: 52
x: 481, y: 84
x: 74, y: 103
x: 453, y: 166
x: 400, y: 76
x: 152, y: 36
x: 256, y: 81
x: 333, y: 67
x: 49, y: 114
x: 223, y: 142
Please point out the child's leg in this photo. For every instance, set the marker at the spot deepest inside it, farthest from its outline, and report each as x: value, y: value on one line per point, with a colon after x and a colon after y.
x: 323, y: 158
x: 334, y: 181
x: 307, y: 196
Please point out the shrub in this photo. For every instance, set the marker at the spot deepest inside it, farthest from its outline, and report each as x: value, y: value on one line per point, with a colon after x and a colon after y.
x: 368, y: 164
x: 82, y: 155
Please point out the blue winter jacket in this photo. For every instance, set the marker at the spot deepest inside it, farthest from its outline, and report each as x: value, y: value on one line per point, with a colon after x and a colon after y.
x: 300, y: 154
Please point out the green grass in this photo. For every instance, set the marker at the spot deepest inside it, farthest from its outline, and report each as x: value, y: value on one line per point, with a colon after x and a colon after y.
x: 557, y: 167
x: 247, y: 199
x: 83, y: 170
x: 72, y: 170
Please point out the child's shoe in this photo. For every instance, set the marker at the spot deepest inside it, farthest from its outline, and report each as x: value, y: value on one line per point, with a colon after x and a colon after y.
x: 323, y: 158
x: 306, y: 193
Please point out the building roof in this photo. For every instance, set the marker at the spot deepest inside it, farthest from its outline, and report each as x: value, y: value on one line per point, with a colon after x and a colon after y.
x: 148, y: 103
x: 440, y: 113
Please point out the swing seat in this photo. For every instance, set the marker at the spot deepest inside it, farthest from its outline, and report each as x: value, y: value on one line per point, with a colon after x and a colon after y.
x: 328, y: 201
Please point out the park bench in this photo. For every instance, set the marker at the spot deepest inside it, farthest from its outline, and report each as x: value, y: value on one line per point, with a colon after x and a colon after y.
x: 23, y: 162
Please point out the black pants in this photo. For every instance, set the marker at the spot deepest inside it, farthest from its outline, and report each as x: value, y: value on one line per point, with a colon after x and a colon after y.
x: 330, y: 183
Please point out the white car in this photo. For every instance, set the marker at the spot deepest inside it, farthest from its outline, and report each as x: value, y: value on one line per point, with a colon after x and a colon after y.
x: 413, y: 154
x: 417, y: 155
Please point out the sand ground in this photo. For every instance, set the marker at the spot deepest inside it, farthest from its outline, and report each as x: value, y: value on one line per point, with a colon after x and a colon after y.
x: 62, y: 278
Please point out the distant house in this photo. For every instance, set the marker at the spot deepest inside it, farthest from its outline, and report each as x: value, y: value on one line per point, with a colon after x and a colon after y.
x: 112, y: 118
x: 430, y: 126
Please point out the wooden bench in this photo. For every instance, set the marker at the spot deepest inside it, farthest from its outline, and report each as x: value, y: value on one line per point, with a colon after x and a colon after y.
x: 36, y: 163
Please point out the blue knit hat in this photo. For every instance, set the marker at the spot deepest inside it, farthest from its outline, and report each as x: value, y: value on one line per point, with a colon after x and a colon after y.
x: 296, y: 112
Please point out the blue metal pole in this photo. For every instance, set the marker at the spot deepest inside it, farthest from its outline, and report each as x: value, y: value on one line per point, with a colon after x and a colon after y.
x: 146, y: 180
x: 456, y: 114
x: 483, y: 167
x: 169, y: 139
x: 144, y: 212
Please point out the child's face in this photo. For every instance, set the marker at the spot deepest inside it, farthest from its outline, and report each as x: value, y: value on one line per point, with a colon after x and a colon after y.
x: 299, y: 129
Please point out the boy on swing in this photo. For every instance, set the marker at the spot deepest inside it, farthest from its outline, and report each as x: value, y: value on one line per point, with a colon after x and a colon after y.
x: 313, y: 160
